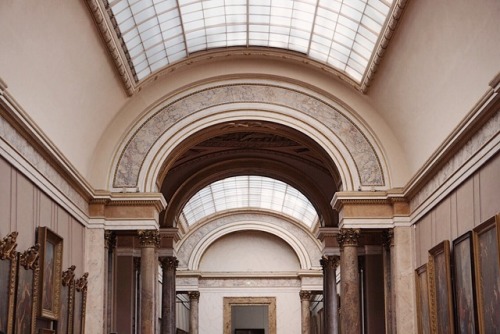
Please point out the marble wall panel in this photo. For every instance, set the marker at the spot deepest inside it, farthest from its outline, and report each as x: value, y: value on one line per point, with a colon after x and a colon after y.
x: 489, y: 189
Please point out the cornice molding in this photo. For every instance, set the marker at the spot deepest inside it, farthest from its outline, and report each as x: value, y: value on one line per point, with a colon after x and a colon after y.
x: 342, y: 198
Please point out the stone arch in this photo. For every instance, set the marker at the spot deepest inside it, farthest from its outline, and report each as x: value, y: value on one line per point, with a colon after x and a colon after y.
x: 194, y: 244
x: 346, y: 139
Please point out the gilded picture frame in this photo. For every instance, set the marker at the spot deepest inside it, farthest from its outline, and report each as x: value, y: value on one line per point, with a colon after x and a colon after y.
x: 80, y: 303
x: 422, y: 293
x: 26, y: 303
x: 51, y: 255
x: 440, y: 288
x: 465, y: 305
x: 486, y: 244
x: 8, y: 268
x: 65, y: 323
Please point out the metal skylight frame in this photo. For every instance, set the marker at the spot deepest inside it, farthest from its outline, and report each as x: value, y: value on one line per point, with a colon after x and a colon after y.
x: 147, y: 36
x: 249, y: 192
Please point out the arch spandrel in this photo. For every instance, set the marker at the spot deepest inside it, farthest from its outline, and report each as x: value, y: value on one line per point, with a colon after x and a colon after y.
x: 357, y: 148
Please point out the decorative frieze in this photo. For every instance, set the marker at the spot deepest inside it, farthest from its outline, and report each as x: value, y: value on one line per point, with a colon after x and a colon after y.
x: 149, y: 238
x: 8, y: 246
x: 348, y: 237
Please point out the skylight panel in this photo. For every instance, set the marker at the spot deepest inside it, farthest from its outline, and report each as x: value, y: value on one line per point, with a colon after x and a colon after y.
x: 243, y: 192
x: 327, y: 31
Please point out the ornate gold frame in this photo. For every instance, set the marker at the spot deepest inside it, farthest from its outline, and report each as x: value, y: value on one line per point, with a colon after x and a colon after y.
x: 80, y: 287
x: 442, y: 249
x: 45, y: 238
x: 68, y: 288
x: 420, y: 276
x: 493, y: 222
x: 28, y: 261
x: 8, y: 253
x: 242, y: 301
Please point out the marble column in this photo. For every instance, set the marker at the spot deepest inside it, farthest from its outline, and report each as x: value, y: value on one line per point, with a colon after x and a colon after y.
x: 387, y: 257
x: 349, y: 282
x: 168, y: 321
x: 149, y: 241
x: 110, y: 244
x: 404, y: 280
x: 305, y: 303
x: 194, y: 298
x: 330, y: 301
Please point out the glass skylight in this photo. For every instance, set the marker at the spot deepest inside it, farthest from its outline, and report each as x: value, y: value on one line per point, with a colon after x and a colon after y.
x: 340, y: 33
x: 249, y: 192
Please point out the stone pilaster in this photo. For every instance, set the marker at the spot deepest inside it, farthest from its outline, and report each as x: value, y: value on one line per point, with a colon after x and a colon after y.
x: 305, y: 303
x: 149, y: 241
x: 330, y: 301
x: 194, y: 299
x: 109, y: 245
x: 349, y: 286
x: 168, y: 324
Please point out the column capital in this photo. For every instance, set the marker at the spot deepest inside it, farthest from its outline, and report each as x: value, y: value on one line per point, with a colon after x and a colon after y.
x: 109, y: 239
x: 305, y: 295
x: 149, y: 238
x: 330, y: 261
x: 194, y: 295
x: 388, y: 238
x: 169, y: 262
x: 348, y: 237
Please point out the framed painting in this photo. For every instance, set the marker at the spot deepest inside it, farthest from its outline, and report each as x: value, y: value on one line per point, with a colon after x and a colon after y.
x: 440, y: 288
x: 486, y: 242
x: 27, y: 291
x: 422, y: 290
x: 80, y: 304
x: 64, y: 325
x: 463, y: 285
x: 51, y: 252
x: 8, y: 267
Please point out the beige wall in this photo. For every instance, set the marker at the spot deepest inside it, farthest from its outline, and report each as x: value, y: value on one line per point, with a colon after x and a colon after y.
x: 473, y: 202
x: 23, y: 207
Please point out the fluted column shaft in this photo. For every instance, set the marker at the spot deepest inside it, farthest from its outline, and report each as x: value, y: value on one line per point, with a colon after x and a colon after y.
x: 305, y: 302
x: 349, y: 286
x: 149, y: 241
x: 168, y: 321
x: 194, y: 298
x: 330, y: 301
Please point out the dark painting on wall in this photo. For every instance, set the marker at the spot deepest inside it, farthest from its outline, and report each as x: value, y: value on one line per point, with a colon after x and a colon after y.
x: 463, y: 287
x: 440, y: 288
x: 423, y: 314
x: 8, y: 267
x: 51, y: 253
x: 487, y: 268
x: 26, y: 291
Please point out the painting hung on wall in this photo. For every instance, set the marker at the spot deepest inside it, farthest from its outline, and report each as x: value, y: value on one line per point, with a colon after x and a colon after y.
x: 440, y: 288
x: 51, y: 252
x: 423, y: 314
x: 67, y: 297
x: 463, y: 287
x: 486, y: 241
x: 8, y: 266
x: 26, y: 292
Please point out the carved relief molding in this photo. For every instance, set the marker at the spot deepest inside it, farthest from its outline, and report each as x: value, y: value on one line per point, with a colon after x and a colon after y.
x: 8, y: 246
x: 134, y: 153
x: 149, y: 238
x: 348, y: 237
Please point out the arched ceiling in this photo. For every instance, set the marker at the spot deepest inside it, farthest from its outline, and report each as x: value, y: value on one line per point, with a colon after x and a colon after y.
x: 254, y: 148
x: 346, y: 36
